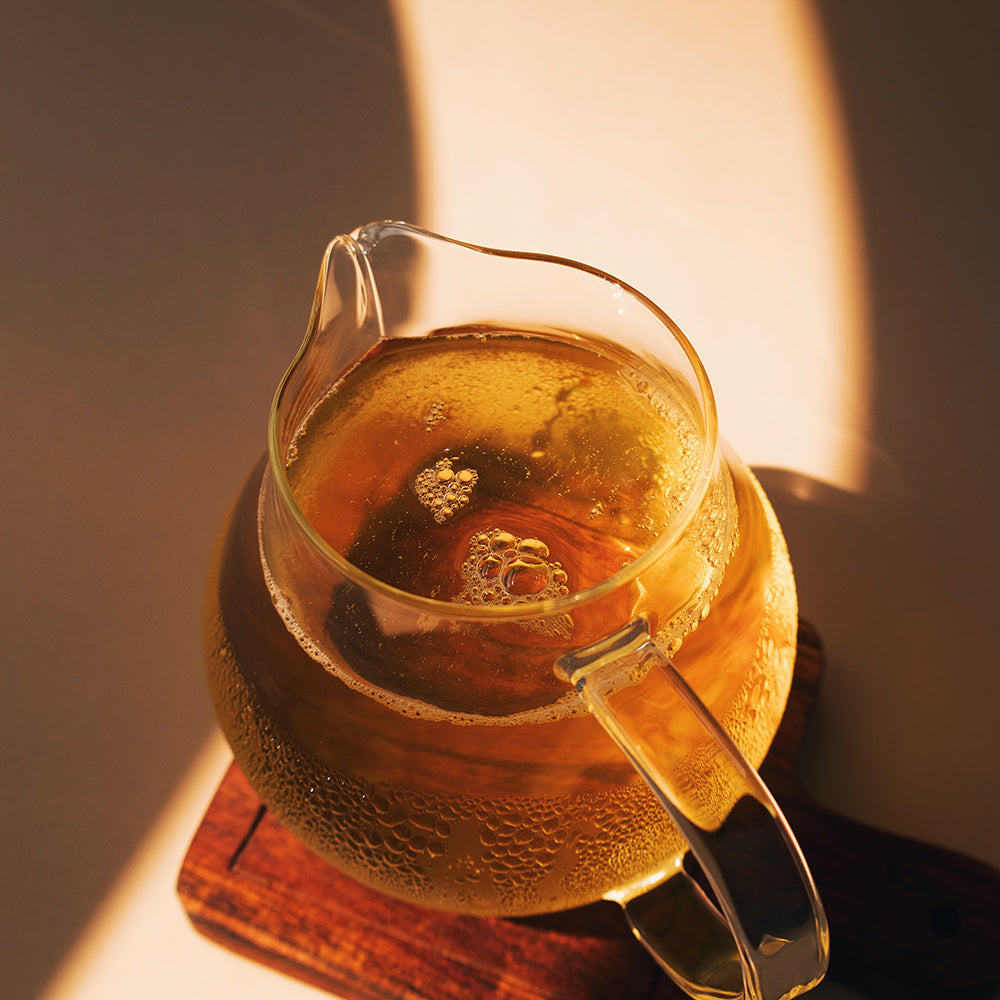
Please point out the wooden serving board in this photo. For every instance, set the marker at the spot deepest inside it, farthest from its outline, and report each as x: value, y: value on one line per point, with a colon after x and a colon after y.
x: 908, y: 921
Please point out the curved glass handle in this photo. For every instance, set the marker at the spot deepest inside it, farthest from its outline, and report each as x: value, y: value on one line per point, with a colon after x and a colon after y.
x: 767, y: 937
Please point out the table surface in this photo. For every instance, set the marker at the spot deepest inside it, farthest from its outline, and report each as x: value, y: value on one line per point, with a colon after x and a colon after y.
x: 805, y: 185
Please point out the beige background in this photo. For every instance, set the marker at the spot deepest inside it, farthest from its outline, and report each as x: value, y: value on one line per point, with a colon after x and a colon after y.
x: 808, y: 187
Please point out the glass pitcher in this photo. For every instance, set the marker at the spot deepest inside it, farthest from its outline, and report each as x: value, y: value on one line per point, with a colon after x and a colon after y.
x: 499, y: 625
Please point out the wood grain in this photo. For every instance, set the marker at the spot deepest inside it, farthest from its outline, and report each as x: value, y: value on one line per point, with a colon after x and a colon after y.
x: 907, y: 920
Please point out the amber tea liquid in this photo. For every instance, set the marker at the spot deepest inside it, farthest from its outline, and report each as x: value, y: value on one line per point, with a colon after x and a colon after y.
x: 449, y: 765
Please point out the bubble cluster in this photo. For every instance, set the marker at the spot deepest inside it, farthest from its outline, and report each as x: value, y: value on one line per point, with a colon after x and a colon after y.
x: 434, y: 416
x: 504, y: 569
x: 442, y: 490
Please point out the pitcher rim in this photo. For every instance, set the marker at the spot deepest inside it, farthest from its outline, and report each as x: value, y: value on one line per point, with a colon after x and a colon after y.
x: 529, y: 609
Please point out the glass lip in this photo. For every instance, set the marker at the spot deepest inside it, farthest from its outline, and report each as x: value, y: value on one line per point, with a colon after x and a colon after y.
x: 527, y: 609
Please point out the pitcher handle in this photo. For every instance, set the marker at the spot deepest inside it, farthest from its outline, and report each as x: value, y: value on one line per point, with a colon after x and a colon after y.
x: 767, y: 937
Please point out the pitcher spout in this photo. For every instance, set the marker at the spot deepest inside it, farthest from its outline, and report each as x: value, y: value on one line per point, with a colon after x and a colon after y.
x: 345, y: 323
x: 346, y: 315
